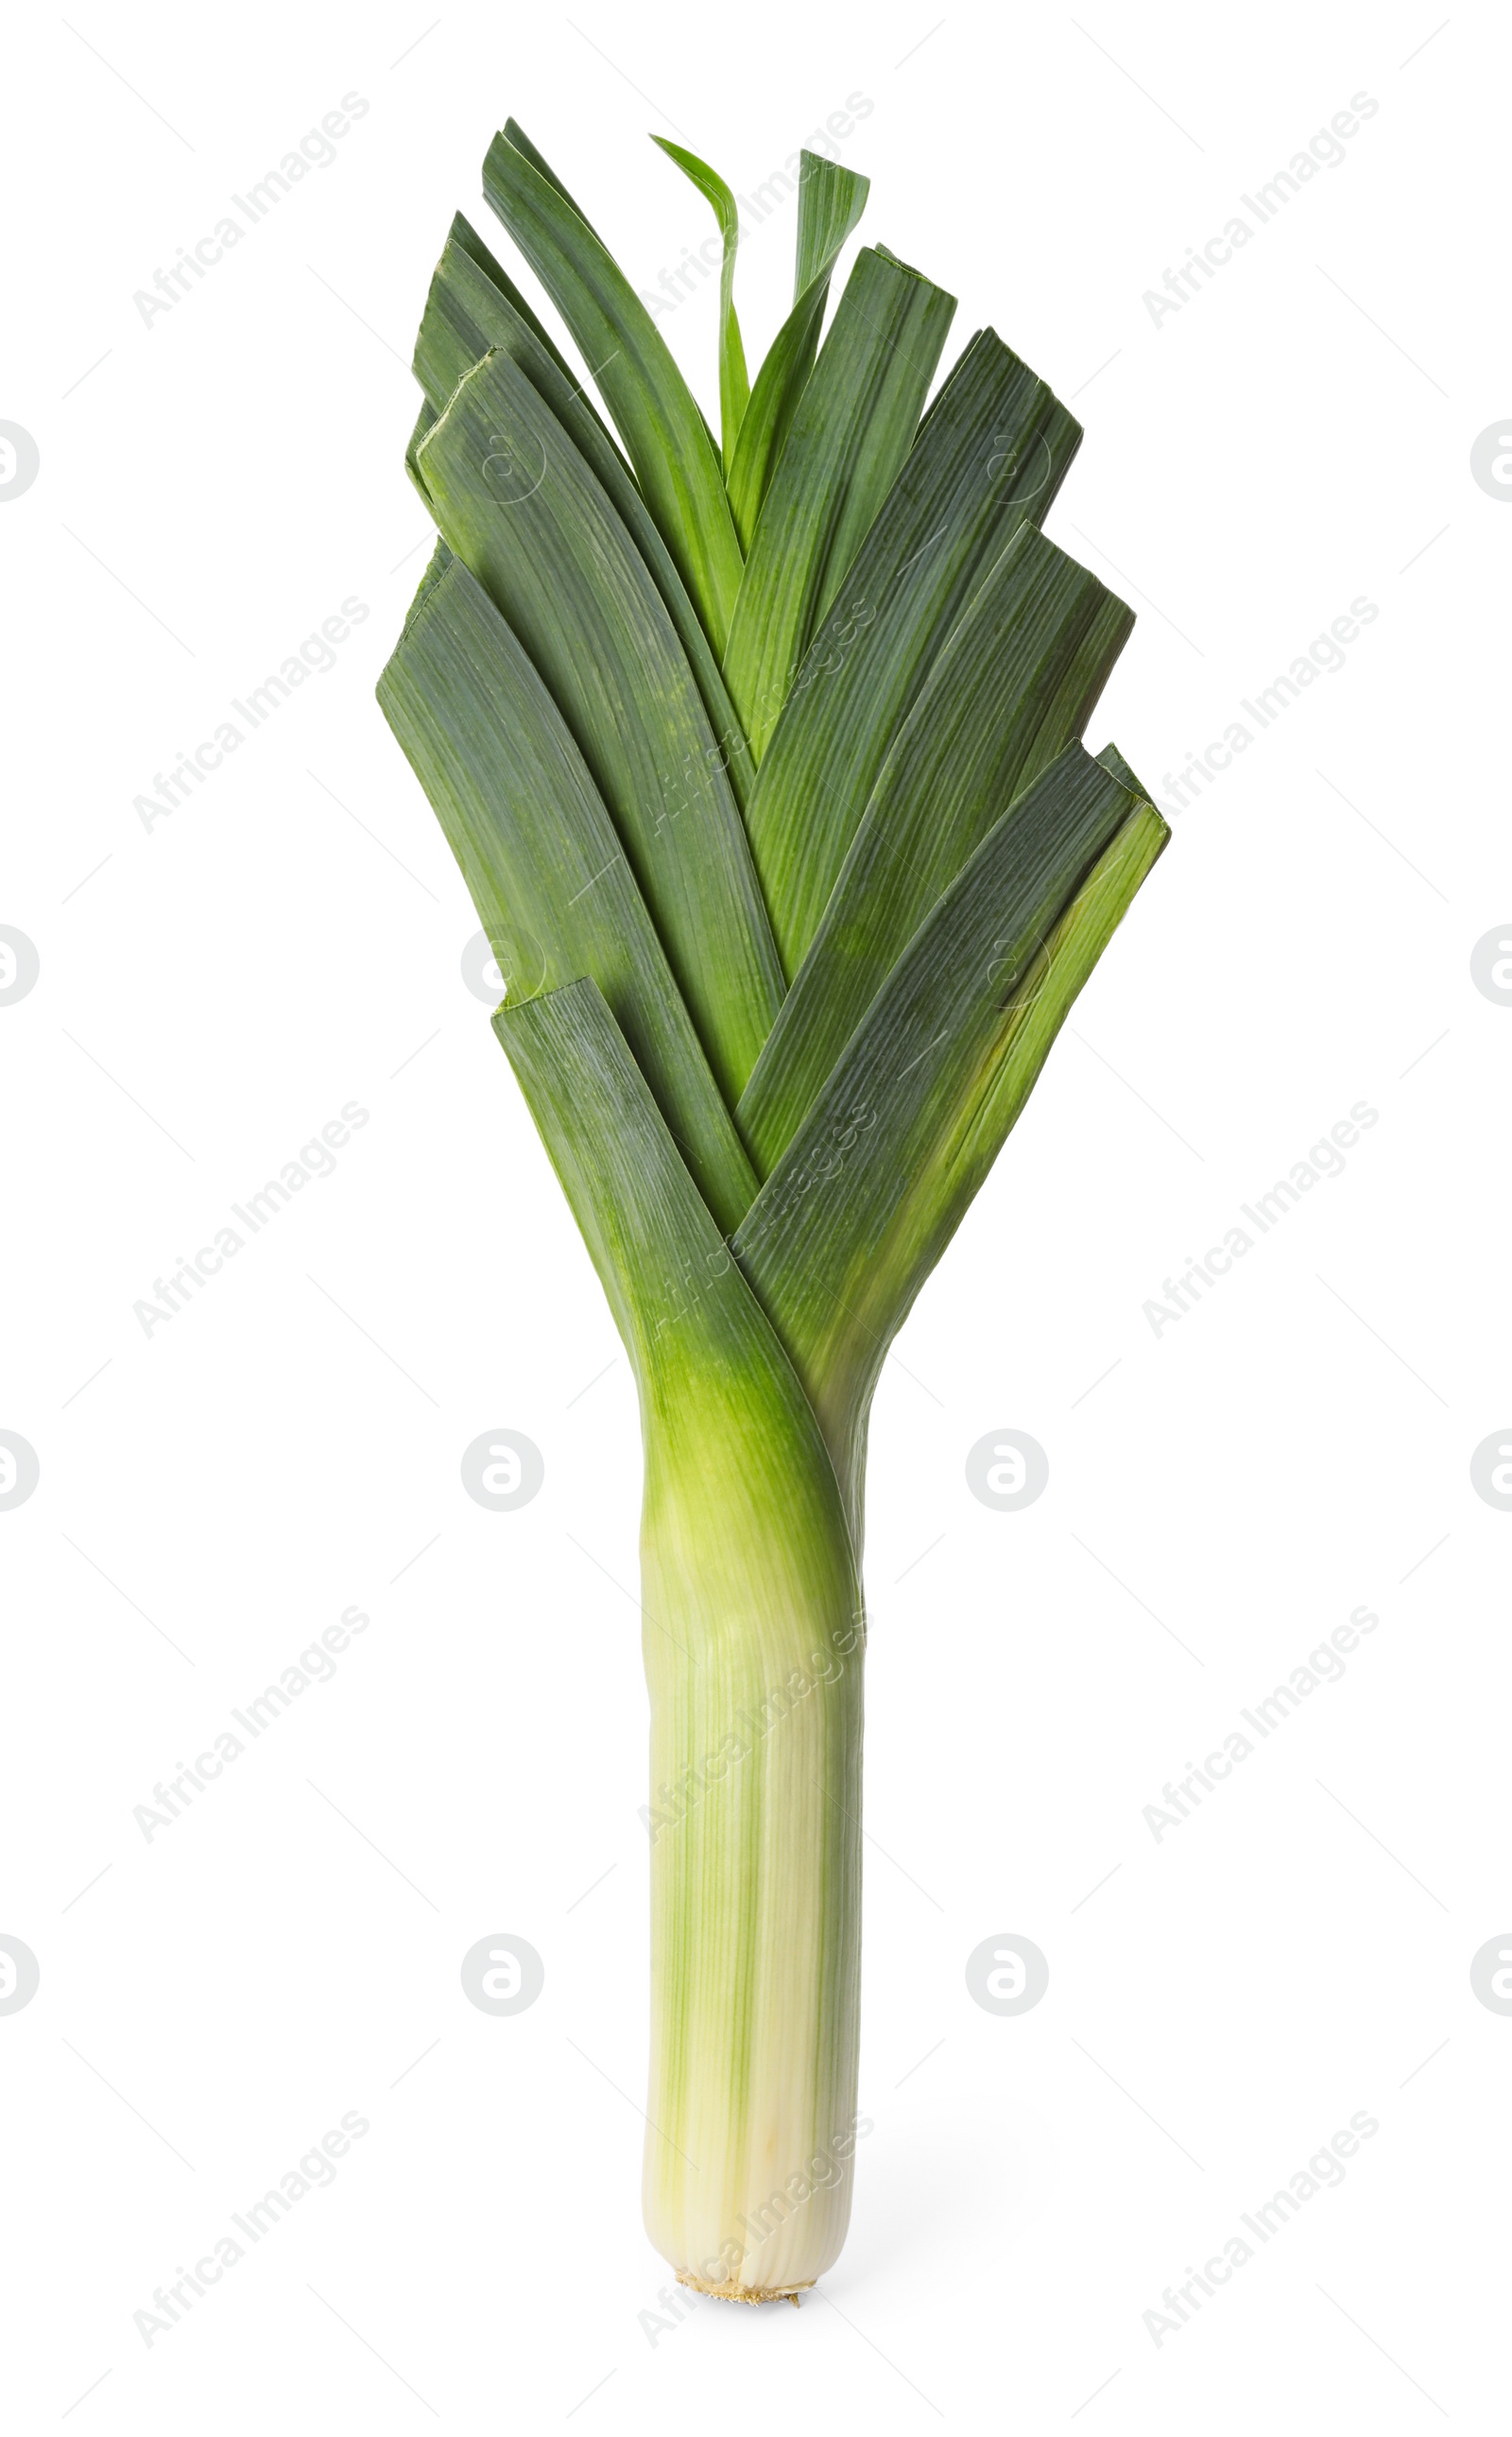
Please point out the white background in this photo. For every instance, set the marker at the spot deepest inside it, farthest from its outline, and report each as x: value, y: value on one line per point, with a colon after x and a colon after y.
x: 214, y: 990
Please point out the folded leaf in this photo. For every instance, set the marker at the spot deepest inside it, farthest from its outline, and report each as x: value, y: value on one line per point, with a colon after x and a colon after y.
x: 466, y: 313
x: 539, y: 853
x: 1111, y: 759
x: 1015, y: 682
x: 465, y: 239
x: 991, y: 453
x: 832, y: 1243
x: 655, y: 412
x: 1040, y: 1007
x: 850, y: 435
x: 436, y: 566
x: 518, y: 504
x: 830, y: 202
x: 422, y: 422
x: 521, y: 143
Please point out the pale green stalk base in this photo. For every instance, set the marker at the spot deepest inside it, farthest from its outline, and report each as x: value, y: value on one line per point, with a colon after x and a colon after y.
x: 754, y: 1659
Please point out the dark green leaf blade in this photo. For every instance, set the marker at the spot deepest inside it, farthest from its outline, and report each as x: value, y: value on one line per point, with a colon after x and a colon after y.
x: 466, y: 313
x: 830, y: 202
x: 664, y: 435
x: 539, y: 853
x: 1040, y: 1007
x: 735, y: 385
x: 422, y: 422
x: 516, y: 502
x: 991, y: 452
x: 521, y: 143
x: 1014, y: 684
x: 844, y: 1229
x: 854, y: 428
x: 465, y: 239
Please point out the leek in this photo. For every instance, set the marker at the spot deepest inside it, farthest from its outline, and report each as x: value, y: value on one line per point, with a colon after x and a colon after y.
x: 761, y: 760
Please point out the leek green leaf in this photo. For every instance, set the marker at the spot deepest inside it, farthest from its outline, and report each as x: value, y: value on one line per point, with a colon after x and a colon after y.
x: 664, y: 435
x: 830, y: 1243
x: 853, y: 428
x: 735, y: 385
x: 466, y: 313
x: 538, y: 161
x: 991, y: 453
x: 515, y: 500
x: 682, y: 1306
x: 422, y: 422
x: 436, y: 566
x: 539, y: 853
x: 948, y: 1181
x: 830, y: 202
x: 1113, y: 759
x: 1015, y: 682
x: 464, y: 238
x: 1039, y: 1008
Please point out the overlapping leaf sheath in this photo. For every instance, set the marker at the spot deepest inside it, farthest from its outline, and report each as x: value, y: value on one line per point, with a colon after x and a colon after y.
x: 541, y: 857
x: 1012, y: 685
x: 853, y: 428
x: 992, y: 451
x: 830, y: 202
x: 885, y: 1163
x: 515, y: 500
x: 666, y: 436
x: 474, y: 305
x: 762, y: 761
